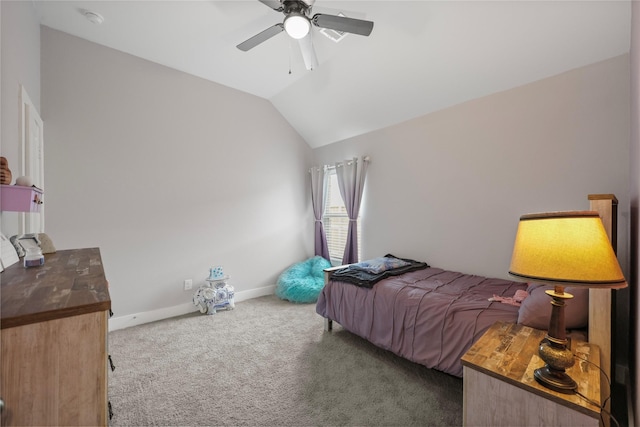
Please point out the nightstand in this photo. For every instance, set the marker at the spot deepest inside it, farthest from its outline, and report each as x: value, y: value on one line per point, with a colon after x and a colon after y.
x: 500, y: 390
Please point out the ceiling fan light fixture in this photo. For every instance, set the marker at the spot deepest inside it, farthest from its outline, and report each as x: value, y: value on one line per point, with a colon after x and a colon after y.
x: 297, y: 25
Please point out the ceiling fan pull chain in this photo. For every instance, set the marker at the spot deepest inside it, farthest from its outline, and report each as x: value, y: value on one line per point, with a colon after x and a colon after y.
x: 289, y: 57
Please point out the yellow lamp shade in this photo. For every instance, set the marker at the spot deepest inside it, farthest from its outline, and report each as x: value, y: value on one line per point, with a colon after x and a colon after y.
x: 565, y: 248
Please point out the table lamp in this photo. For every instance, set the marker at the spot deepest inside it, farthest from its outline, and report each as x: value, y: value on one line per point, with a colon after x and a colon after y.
x: 563, y: 249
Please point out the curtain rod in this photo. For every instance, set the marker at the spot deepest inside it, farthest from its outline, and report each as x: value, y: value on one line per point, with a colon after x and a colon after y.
x: 329, y: 167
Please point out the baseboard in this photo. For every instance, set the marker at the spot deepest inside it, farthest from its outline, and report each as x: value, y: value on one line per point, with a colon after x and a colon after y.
x: 130, y: 320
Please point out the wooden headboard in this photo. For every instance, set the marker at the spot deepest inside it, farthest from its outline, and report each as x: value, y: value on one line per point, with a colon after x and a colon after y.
x: 600, y: 300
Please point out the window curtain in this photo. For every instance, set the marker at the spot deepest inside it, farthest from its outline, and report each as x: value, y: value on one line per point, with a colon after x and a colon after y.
x: 317, y: 200
x: 351, y: 175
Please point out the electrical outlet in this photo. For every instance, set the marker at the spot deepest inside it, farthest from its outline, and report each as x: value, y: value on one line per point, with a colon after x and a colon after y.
x: 188, y: 284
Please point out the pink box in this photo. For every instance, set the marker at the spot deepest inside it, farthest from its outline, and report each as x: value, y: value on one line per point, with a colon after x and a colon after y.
x: 16, y: 198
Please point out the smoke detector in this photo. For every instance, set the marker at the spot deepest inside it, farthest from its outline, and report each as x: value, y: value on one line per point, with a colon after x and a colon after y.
x: 93, y: 17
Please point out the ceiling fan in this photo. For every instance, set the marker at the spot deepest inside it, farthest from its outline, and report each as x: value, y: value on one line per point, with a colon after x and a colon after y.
x: 297, y: 24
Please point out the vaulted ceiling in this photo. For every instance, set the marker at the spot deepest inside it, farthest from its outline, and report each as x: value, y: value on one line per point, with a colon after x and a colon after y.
x: 422, y: 56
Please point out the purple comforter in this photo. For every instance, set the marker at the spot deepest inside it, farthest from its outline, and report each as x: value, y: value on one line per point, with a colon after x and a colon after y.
x: 429, y: 316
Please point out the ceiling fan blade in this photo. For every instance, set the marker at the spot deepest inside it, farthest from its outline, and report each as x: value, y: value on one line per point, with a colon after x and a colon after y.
x: 308, y: 52
x: 260, y: 37
x: 273, y: 4
x: 342, y: 23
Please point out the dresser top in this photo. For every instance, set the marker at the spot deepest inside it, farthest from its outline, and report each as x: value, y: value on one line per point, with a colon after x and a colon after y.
x: 70, y: 283
x: 509, y: 352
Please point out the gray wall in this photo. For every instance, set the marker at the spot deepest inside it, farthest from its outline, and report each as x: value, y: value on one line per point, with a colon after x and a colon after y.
x: 448, y: 188
x: 168, y: 174
x: 20, y: 65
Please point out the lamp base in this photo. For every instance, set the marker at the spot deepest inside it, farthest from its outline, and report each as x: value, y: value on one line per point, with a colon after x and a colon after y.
x: 553, y: 349
x: 555, y: 380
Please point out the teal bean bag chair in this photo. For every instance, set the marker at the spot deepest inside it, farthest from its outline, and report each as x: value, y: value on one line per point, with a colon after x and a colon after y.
x: 303, y: 281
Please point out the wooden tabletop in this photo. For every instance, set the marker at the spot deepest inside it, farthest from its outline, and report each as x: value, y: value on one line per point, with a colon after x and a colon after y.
x: 509, y: 352
x: 71, y: 282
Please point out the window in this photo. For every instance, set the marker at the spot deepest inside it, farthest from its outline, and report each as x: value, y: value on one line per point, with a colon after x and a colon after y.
x: 335, y: 219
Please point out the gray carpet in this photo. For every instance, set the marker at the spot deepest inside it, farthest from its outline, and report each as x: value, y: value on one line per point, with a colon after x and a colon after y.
x: 269, y: 363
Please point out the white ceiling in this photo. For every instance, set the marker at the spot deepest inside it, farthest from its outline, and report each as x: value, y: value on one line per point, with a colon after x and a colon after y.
x: 422, y: 56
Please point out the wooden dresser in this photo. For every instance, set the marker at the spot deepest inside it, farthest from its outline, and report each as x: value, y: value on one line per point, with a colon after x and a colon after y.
x: 500, y: 390
x: 53, y: 337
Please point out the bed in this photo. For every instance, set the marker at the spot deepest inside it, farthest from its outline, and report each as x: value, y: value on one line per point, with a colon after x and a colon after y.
x: 430, y: 316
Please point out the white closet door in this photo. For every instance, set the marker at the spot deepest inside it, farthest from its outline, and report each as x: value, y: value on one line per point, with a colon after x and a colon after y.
x: 32, y: 135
